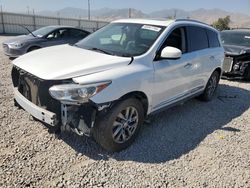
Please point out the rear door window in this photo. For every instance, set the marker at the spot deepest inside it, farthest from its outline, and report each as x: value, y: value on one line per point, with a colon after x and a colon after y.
x: 75, y: 33
x: 197, y: 38
x: 213, y: 39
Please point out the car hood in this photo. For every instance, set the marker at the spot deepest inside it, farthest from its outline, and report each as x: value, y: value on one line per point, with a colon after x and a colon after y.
x: 236, y: 50
x: 65, y: 61
x: 21, y: 39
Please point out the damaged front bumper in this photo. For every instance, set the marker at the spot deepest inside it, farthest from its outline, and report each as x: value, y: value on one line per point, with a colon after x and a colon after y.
x: 32, y: 94
x: 37, y: 112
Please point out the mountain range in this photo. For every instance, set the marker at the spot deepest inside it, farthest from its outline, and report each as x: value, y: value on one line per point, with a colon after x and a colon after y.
x: 106, y: 14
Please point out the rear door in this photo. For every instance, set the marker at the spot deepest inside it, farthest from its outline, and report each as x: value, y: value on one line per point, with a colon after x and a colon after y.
x: 198, y: 48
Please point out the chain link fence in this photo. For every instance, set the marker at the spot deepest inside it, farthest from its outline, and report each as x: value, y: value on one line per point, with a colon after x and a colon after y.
x: 10, y: 23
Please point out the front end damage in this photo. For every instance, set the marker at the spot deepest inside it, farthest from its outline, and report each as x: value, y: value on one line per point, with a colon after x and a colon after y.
x: 236, y: 62
x: 80, y: 118
x: 236, y: 66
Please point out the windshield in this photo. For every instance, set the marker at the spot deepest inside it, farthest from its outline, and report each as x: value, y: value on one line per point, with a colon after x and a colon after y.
x: 122, y: 39
x: 43, y: 31
x: 236, y: 38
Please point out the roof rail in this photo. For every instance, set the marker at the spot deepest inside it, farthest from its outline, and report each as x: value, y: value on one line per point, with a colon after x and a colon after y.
x: 177, y: 20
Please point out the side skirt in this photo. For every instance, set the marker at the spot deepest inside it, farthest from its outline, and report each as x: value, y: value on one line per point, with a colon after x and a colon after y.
x: 176, y: 103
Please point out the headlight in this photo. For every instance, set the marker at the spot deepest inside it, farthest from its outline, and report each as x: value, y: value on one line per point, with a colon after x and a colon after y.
x: 15, y: 45
x: 76, y: 93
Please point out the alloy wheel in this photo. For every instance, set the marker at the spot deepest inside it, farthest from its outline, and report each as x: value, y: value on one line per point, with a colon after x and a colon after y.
x: 125, y: 124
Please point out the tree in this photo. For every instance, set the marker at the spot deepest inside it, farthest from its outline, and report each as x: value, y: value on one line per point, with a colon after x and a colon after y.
x: 222, y: 23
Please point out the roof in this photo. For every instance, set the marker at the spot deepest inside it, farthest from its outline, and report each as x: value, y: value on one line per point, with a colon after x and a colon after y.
x: 157, y: 22
x: 60, y: 26
x: 162, y: 22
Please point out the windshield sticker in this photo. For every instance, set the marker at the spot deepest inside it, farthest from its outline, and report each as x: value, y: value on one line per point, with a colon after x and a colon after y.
x: 247, y: 37
x: 152, y: 28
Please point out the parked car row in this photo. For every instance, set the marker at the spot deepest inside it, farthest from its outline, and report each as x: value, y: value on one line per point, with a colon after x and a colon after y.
x: 107, y: 84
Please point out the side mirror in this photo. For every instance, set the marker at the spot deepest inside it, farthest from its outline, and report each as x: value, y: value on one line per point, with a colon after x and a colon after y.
x: 170, y: 53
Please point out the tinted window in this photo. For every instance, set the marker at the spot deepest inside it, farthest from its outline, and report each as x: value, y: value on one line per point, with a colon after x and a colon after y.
x: 197, y: 38
x: 213, y: 39
x: 78, y: 33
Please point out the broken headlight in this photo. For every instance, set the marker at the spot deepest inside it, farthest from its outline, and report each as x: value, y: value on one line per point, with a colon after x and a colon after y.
x: 76, y: 93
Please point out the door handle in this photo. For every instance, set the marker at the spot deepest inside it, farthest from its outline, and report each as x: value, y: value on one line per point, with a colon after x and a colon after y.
x: 188, y: 65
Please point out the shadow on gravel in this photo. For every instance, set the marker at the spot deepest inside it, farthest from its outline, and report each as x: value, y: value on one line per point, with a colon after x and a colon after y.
x: 176, y: 131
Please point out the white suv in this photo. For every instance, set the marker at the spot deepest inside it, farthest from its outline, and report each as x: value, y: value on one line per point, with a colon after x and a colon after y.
x: 107, y: 84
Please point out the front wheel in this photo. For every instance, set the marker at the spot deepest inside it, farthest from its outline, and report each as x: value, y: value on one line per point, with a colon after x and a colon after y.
x: 120, y: 126
x: 211, y: 87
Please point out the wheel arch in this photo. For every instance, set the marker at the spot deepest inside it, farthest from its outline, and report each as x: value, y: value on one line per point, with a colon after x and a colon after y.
x: 219, y: 70
x: 141, y: 96
x: 33, y: 46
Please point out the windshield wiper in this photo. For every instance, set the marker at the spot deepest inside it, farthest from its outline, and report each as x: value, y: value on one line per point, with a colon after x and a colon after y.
x: 100, y: 50
x: 28, y: 30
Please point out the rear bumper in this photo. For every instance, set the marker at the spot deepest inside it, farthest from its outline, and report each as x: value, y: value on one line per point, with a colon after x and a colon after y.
x: 37, y: 112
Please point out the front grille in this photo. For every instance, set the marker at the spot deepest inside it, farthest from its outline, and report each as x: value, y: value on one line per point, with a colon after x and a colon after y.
x: 36, y: 90
x: 227, y: 64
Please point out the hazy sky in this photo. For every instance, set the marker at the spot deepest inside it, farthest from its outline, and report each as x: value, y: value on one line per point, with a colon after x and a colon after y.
x: 241, y: 6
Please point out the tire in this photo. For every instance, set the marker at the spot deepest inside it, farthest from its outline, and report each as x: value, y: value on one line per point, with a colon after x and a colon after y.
x: 33, y: 49
x: 112, y: 130
x: 211, y: 87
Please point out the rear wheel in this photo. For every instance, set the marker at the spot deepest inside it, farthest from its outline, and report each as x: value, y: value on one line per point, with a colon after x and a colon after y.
x: 211, y: 87
x: 120, y: 126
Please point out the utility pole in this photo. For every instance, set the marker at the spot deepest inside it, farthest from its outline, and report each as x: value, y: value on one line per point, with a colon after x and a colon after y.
x: 34, y: 20
x: 88, y: 9
x: 129, y: 12
x: 175, y: 13
x: 3, y: 26
x: 28, y: 9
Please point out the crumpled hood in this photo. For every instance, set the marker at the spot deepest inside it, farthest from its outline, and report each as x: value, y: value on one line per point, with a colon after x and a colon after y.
x: 236, y: 50
x: 21, y: 39
x: 65, y: 61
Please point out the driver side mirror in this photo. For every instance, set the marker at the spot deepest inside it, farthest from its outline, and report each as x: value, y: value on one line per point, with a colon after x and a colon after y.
x: 170, y: 53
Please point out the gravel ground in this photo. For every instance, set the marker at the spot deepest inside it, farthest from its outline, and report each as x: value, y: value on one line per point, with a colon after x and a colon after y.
x: 193, y: 145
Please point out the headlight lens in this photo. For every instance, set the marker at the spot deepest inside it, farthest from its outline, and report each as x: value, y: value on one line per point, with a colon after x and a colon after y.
x: 15, y: 45
x: 76, y: 93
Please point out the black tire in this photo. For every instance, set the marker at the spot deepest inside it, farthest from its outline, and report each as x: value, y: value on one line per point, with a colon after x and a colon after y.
x: 211, y: 87
x: 106, y: 126
x: 33, y: 49
x: 247, y: 73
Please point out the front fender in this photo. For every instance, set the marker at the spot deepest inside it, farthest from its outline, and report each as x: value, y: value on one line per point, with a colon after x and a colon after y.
x: 125, y: 79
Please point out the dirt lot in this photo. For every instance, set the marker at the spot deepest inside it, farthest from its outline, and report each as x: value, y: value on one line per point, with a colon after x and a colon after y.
x: 194, y: 145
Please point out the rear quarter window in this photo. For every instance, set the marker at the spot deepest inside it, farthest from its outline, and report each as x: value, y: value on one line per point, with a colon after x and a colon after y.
x: 197, y: 38
x: 213, y: 39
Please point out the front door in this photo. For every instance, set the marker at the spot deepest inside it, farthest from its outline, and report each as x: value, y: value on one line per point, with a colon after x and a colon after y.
x: 172, y: 77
